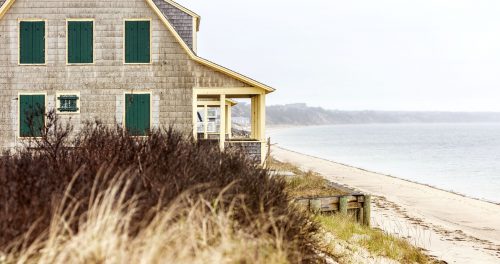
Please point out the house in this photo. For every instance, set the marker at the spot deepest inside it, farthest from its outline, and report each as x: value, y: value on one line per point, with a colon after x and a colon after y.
x: 130, y: 62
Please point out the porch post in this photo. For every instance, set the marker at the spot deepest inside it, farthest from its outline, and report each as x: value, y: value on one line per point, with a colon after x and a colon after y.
x: 262, y: 117
x: 262, y: 127
x: 253, y: 118
x: 229, y: 121
x: 222, y: 126
x: 195, y: 115
x: 205, y: 122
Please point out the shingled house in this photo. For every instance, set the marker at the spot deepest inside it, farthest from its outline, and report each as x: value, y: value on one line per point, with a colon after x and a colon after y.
x: 130, y: 62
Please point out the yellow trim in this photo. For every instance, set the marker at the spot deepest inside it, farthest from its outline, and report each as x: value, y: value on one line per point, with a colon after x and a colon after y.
x: 58, y: 103
x: 19, y: 41
x: 150, y: 107
x: 150, y: 40
x: 222, y: 122
x: 5, y: 7
x: 195, y: 115
x: 205, y: 62
x: 229, y: 102
x: 228, y: 91
x: 18, y: 134
x: 195, y: 37
x: 191, y: 54
x: 93, y: 40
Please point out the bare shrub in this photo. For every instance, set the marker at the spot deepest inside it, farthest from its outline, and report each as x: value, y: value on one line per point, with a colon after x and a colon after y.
x: 160, y: 167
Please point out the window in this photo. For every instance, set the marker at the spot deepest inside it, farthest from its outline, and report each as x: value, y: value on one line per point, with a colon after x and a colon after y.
x: 138, y: 114
x: 137, y: 42
x: 31, y: 115
x: 80, y: 42
x: 68, y: 103
x: 32, y: 42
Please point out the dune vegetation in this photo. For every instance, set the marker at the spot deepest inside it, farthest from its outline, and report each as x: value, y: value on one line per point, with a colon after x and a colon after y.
x: 100, y: 196
x: 342, y: 238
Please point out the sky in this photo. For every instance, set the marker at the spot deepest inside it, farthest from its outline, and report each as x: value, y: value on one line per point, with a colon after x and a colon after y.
x: 419, y: 55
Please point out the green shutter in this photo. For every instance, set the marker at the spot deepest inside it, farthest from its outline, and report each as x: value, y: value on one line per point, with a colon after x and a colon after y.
x: 143, y: 43
x: 39, y: 42
x: 137, y: 114
x: 87, y: 36
x: 137, y: 41
x: 26, y: 42
x: 32, y: 42
x: 80, y: 42
x: 130, y: 41
x: 31, y: 115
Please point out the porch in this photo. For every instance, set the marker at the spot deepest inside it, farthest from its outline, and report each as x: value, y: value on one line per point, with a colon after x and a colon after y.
x: 212, y: 112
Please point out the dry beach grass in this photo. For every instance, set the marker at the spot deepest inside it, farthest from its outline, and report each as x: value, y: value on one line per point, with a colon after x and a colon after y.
x: 343, y: 238
x: 111, y: 197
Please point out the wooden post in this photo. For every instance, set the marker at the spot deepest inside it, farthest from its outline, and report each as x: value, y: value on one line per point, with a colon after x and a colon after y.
x: 229, y: 125
x: 205, y: 122
x: 195, y: 115
x: 367, y: 210
x: 343, y: 204
x: 222, y: 126
x: 359, y: 216
x: 253, y: 112
x: 262, y: 117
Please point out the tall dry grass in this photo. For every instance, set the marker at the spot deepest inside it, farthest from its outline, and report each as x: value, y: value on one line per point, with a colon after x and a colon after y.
x: 46, y: 207
x: 187, y: 231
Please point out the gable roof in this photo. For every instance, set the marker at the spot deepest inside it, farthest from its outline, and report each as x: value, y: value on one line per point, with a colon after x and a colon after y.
x: 8, y: 3
x: 185, y: 10
x: 184, y: 21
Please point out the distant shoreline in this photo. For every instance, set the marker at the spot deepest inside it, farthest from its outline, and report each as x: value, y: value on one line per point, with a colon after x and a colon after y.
x: 387, y: 175
x: 272, y: 129
x: 284, y: 126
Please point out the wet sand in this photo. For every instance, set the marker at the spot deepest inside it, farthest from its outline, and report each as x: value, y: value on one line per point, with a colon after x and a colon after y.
x: 452, y: 227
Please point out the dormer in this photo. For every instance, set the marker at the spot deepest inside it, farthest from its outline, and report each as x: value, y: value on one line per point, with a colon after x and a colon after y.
x: 184, y: 21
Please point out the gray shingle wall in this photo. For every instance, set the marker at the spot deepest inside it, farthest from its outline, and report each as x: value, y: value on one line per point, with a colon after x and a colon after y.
x: 252, y: 149
x: 1, y: 2
x: 182, y: 22
x: 170, y: 78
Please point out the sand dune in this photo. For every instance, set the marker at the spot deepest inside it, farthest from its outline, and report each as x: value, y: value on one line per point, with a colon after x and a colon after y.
x: 452, y: 227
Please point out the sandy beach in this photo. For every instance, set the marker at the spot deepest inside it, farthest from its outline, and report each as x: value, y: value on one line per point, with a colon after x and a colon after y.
x: 452, y: 227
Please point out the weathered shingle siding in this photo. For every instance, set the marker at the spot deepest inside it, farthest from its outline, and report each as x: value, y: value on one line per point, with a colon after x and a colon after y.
x: 171, y: 77
x: 182, y: 22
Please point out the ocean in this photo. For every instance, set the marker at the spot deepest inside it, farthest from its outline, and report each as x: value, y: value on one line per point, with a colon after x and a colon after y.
x: 458, y: 157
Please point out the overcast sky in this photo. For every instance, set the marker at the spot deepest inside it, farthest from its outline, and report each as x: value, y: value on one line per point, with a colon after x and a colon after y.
x: 360, y: 54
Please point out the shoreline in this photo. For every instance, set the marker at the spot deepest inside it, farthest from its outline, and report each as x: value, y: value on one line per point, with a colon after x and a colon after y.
x: 391, y: 176
x: 450, y: 226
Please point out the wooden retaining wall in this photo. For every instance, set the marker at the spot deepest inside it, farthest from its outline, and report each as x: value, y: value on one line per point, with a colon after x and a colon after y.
x: 357, y: 205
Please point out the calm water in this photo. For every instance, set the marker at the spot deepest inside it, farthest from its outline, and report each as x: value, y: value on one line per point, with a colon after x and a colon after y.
x: 464, y: 158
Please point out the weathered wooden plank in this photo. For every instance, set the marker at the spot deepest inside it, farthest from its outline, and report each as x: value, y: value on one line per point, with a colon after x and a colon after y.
x: 354, y: 205
x: 329, y: 200
x: 315, y: 205
x: 329, y: 207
